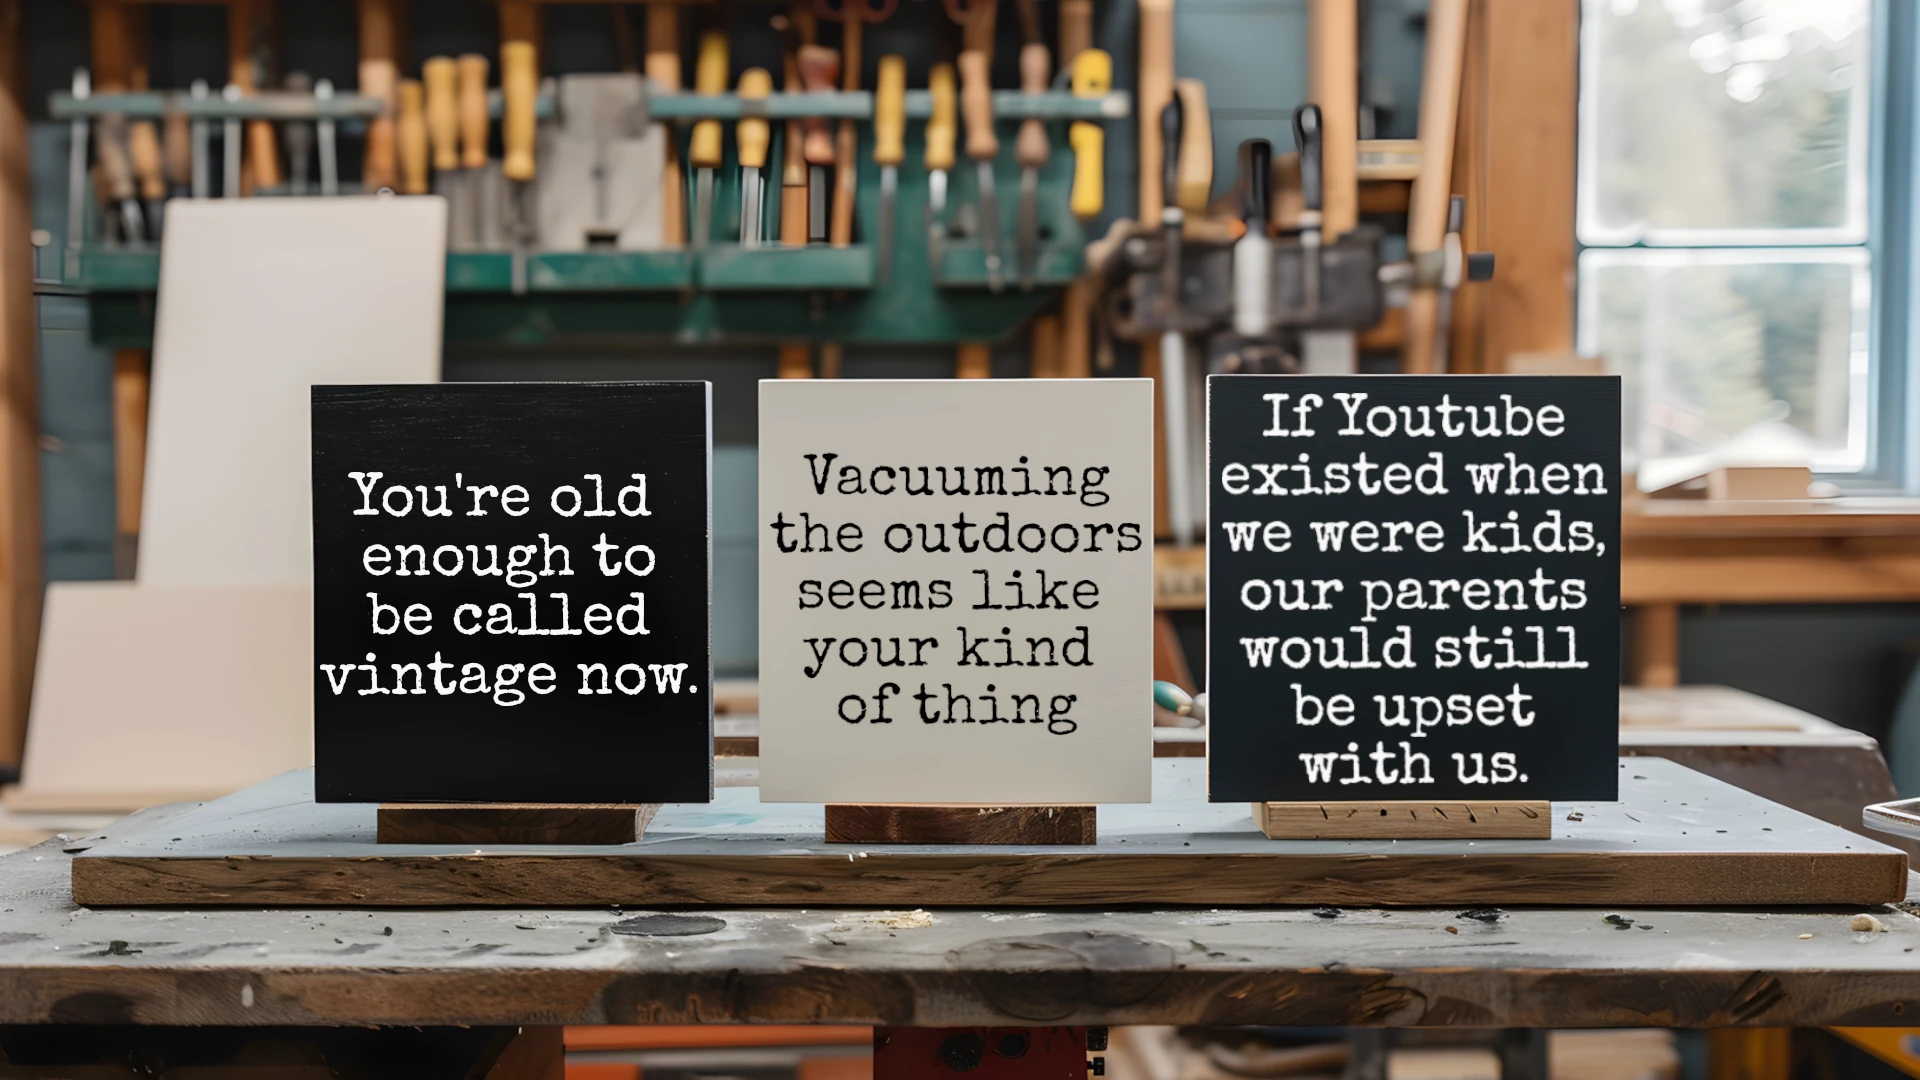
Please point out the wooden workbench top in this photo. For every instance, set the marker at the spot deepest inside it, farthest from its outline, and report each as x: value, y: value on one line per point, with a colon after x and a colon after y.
x: 1526, y: 967
x: 1702, y: 518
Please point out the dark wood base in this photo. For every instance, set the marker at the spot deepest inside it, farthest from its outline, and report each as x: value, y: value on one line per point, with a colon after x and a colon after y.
x: 513, y: 823
x: 1404, y: 821
x: 905, y: 823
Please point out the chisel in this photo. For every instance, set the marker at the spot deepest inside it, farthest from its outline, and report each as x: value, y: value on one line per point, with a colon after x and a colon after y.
x: 983, y: 146
x: 230, y: 147
x: 1173, y: 347
x: 470, y: 106
x: 410, y: 137
x: 143, y: 147
x: 1030, y: 150
x: 324, y: 131
x: 752, y: 135
x: 846, y: 142
x: 201, y: 182
x: 1253, y: 253
x: 176, y: 143
x: 1306, y: 139
x: 941, y: 130
x: 889, y: 149
x: 116, y: 168
x: 704, y: 151
x: 793, y: 166
x: 441, y: 77
x: 298, y: 136
x: 519, y: 86
x: 819, y: 69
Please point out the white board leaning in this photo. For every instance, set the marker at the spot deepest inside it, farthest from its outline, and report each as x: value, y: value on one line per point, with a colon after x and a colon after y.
x: 956, y: 599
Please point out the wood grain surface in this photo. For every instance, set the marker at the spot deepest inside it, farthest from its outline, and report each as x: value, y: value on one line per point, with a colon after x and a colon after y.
x: 1676, y: 838
x: 1212, y: 964
x: 1404, y: 820
x: 897, y: 823
x: 513, y: 823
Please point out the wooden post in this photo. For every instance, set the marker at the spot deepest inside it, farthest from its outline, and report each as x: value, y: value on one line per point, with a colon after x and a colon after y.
x: 663, y: 67
x: 1334, y: 82
x: 1156, y: 89
x: 1427, y: 212
x: 20, y: 581
x: 1043, y: 348
x: 1656, y: 645
x: 1466, y: 352
x: 1521, y: 204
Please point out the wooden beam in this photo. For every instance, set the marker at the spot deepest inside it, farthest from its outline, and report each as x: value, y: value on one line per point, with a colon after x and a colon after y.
x: 1427, y: 211
x: 1656, y: 645
x: 1531, y: 103
x: 20, y: 567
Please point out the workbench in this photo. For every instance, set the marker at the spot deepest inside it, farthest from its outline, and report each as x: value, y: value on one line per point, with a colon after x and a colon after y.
x: 1546, y: 967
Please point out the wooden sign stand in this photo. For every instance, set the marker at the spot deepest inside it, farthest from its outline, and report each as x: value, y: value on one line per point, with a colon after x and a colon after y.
x: 513, y: 823
x: 932, y: 823
x: 1404, y: 820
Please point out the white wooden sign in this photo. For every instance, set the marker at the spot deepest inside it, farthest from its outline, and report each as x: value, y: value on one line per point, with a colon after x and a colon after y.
x: 956, y: 598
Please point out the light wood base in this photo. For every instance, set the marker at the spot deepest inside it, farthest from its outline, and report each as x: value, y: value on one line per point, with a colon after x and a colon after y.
x: 1404, y: 820
x: 897, y: 823
x: 514, y: 823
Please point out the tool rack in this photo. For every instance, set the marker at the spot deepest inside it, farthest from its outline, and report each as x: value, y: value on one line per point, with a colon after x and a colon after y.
x: 723, y: 292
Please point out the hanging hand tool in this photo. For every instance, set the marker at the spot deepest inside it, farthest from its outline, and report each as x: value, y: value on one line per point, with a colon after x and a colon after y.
x: 705, y: 150
x: 410, y: 134
x: 793, y: 162
x: 753, y: 134
x: 1173, y: 347
x: 983, y: 147
x: 1306, y: 139
x: 1092, y: 78
x: 441, y: 77
x: 176, y: 140
x: 116, y: 169
x: 379, y: 47
x: 249, y: 66
x: 851, y: 14
x: 889, y: 150
x: 465, y: 219
x: 200, y: 183
x: 230, y: 148
x: 298, y: 135
x: 1253, y: 253
x: 326, y: 137
x: 1030, y: 149
x: 662, y: 69
x: 941, y: 131
x: 819, y: 68
x: 519, y: 86
x: 143, y: 147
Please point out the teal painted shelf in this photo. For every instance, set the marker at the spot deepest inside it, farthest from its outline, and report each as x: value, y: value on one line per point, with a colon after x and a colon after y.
x: 730, y: 267
x: 126, y: 270
x: 964, y: 266
x: 608, y: 271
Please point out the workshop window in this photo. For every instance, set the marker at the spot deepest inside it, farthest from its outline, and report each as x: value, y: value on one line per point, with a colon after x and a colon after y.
x: 1725, y: 270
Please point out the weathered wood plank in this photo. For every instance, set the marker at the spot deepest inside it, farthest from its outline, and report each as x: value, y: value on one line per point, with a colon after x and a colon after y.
x: 512, y: 823
x: 1404, y: 820
x: 1676, y: 838
x: 897, y: 823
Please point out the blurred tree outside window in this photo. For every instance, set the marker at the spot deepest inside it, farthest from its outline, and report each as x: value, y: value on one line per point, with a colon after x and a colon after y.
x: 1723, y: 192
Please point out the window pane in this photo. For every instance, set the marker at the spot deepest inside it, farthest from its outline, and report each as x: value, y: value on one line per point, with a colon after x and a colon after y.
x: 1724, y: 121
x: 1766, y: 347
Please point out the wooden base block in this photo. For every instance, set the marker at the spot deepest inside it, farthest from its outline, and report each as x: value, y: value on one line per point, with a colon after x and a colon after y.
x: 514, y: 823
x: 1404, y: 820
x: 896, y: 823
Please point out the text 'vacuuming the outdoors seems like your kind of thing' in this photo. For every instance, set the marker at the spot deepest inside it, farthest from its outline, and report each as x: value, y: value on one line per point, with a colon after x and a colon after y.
x: 1418, y: 579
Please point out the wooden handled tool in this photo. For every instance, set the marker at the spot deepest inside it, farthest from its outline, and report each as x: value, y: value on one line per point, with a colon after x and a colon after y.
x: 410, y: 132
x: 983, y: 147
x: 441, y: 78
x: 1030, y: 151
x: 819, y: 70
x: 1194, y: 183
x: 1092, y: 78
x: 846, y: 167
x: 519, y: 89
x: 1432, y: 187
x: 119, y: 190
x: 753, y: 133
x: 471, y: 109
x: 246, y: 31
x: 1253, y: 252
x: 793, y: 163
x: 704, y: 151
x: 663, y: 70
x: 378, y: 75
x: 941, y: 132
x: 177, y: 149
x: 889, y: 149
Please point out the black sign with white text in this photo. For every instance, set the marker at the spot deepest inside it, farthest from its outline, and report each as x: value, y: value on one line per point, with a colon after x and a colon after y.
x: 511, y: 593
x: 1413, y: 588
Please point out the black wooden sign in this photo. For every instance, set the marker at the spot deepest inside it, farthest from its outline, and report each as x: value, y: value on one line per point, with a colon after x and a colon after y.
x: 511, y: 593
x: 1413, y: 587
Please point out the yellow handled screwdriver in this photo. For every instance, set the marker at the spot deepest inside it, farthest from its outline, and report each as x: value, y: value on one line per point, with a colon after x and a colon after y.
x: 940, y: 135
x: 889, y: 149
x: 753, y: 134
x: 709, y: 79
x: 1092, y: 78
